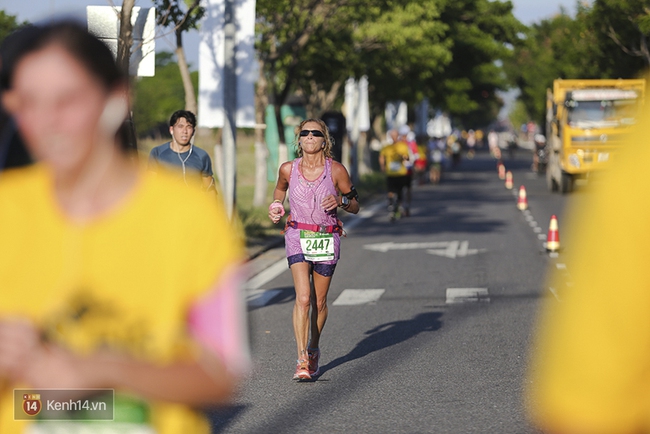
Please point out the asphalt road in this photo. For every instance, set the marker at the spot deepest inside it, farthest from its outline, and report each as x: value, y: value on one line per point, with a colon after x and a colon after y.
x: 430, y: 317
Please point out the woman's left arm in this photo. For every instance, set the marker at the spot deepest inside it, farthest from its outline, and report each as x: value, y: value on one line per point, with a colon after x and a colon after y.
x: 343, y: 184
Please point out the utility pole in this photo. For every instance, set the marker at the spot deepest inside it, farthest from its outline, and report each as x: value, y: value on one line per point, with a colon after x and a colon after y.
x: 229, y: 137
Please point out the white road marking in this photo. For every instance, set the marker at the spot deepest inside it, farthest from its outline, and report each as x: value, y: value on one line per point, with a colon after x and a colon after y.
x: 537, y: 229
x: 456, y: 249
x: 464, y: 295
x: 267, y: 275
x: 384, y: 247
x: 560, y: 266
x: 260, y: 297
x: 358, y: 296
x: 557, y: 297
x: 541, y: 237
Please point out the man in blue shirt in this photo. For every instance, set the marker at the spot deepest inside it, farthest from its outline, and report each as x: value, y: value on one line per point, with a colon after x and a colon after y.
x: 194, y: 162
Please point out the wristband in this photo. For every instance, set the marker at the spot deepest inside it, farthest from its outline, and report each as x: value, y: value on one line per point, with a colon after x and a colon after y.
x: 277, y: 204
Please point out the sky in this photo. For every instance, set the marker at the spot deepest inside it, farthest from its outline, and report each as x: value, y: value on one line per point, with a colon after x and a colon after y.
x: 527, y: 11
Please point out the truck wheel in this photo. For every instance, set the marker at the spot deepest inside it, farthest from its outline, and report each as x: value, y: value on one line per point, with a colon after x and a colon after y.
x: 550, y: 182
x: 566, y: 183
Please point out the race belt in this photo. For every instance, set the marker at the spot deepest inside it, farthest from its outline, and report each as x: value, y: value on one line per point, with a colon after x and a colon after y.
x: 322, y: 229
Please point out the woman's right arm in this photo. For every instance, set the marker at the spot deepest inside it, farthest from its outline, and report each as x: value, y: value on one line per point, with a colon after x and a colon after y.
x: 276, y: 208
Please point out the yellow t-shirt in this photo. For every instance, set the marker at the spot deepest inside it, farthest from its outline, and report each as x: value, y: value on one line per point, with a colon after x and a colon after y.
x: 125, y: 280
x: 394, y: 155
x: 590, y: 369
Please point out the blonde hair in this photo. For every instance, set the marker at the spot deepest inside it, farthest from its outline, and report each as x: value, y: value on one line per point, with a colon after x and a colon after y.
x: 329, y: 142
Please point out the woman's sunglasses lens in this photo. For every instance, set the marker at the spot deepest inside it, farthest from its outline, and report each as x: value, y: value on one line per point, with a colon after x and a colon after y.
x: 315, y: 133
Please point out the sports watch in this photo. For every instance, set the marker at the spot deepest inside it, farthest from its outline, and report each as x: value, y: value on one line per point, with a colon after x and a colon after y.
x: 345, y: 202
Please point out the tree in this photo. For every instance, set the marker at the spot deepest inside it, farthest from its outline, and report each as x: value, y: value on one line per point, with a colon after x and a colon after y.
x: 560, y: 47
x: 8, y: 24
x: 482, y: 35
x: 442, y: 49
x: 124, y: 44
x: 173, y: 13
x: 156, y: 98
x: 622, y: 30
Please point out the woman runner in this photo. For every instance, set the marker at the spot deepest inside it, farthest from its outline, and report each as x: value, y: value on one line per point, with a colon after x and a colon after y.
x: 317, y: 186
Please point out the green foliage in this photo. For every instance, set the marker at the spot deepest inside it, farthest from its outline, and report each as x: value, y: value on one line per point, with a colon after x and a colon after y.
x: 156, y: 98
x: 182, y: 15
x: 401, y: 49
x: 8, y: 24
x: 370, y: 185
x: 518, y: 114
x: 605, y: 40
x: 482, y: 34
x: 447, y: 50
x: 621, y: 29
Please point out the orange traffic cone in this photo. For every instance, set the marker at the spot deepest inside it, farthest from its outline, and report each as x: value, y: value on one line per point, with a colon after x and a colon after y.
x: 509, y: 180
x: 553, y: 237
x: 522, y: 201
x: 502, y: 171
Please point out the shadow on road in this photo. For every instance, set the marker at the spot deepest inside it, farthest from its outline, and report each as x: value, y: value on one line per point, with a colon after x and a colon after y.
x: 389, y: 334
x: 220, y: 418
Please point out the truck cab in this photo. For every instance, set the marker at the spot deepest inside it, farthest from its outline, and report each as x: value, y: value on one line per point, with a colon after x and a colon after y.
x: 586, y: 122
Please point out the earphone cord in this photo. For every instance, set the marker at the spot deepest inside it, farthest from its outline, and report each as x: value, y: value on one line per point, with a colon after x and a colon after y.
x: 183, y: 162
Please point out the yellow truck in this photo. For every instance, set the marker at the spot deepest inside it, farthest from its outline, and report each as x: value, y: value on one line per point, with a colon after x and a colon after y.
x: 586, y: 121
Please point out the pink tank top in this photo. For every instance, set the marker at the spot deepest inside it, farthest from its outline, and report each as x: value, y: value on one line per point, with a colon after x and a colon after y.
x: 305, y: 195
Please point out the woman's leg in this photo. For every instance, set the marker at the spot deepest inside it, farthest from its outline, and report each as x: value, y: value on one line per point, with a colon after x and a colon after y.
x: 321, y: 286
x: 300, y: 272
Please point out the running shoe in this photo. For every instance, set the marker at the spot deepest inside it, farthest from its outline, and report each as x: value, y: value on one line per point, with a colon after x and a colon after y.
x: 302, y: 370
x: 314, y: 356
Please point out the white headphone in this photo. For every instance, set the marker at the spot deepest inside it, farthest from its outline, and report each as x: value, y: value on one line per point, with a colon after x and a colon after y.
x: 114, y: 113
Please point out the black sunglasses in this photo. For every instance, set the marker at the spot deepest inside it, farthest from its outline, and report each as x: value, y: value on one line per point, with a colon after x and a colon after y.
x: 315, y: 133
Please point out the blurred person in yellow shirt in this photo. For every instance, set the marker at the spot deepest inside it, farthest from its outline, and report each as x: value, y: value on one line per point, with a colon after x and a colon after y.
x: 111, y: 276
x: 590, y: 365
x: 394, y: 160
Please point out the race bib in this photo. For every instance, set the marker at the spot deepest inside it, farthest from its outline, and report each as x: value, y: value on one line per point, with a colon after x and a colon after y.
x: 317, y: 246
x: 395, y: 166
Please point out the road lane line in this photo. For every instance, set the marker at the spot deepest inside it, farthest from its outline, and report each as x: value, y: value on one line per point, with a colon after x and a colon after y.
x: 464, y: 295
x: 358, y: 296
x: 260, y: 297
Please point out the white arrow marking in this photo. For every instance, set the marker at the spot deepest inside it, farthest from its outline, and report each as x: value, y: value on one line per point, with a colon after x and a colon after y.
x: 448, y: 249
x: 456, y: 249
x: 384, y: 247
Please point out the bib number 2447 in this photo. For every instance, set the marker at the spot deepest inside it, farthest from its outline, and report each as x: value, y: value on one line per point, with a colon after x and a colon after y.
x: 317, y: 246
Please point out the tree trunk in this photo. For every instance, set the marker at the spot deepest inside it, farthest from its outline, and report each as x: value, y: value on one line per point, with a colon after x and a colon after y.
x: 124, y: 43
x: 125, y: 40
x: 261, y: 153
x: 188, y: 87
